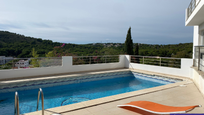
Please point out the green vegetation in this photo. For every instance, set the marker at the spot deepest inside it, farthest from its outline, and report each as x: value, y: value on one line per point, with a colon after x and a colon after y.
x: 167, y: 62
x: 35, y: 62
x: 128, y: 43
x: 20, y: 46
x: 95, y: 59
x: 182, y: 50
x: 136, y: 49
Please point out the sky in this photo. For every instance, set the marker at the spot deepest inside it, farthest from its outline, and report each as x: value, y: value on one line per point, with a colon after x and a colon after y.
x: 98, y: 21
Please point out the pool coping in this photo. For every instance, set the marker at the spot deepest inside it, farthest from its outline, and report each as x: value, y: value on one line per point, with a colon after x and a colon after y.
x: 104, y: 100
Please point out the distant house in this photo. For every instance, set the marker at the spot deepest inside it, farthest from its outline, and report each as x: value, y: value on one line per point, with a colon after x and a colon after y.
x: 4, y: 60
x: 22, y: 63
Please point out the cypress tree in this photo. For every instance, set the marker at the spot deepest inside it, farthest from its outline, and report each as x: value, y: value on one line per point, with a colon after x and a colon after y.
x: 128, y: 43
x: 34, y: 61
x: 136, y: 49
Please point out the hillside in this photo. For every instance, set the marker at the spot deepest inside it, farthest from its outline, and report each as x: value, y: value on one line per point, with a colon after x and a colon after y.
x: 182, y: 50
x: 15, y: 45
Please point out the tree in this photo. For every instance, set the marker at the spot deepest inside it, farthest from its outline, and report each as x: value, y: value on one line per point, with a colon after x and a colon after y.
x: 34, y: 53
x: 137, y: 49
x: 50, y: 54
x: 128, y: 43
x: 35, y: 61
x: 182, y: 54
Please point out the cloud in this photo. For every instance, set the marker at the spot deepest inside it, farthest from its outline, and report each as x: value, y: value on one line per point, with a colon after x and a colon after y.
x: 86, y: 21
x: 9, y: 26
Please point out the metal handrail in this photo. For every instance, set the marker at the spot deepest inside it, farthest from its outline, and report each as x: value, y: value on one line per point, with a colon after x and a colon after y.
x: 16, y: 106
x: 96, y: 56
x: 156, y: 60
x: 93, y: 60
x: 42, y: 99
x: 154, y: 57
x: 37, y: 58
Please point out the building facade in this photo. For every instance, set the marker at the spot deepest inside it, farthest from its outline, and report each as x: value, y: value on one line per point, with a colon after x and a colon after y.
x: 22, y: 64
x: 195, y: 17
x: 4, y: 60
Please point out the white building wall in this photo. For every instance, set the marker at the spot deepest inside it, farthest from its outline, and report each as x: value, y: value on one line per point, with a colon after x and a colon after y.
x: 201, y: 34
x: 201, y: 27
x: 198, y: 39
x: 2, y: 60
x: 195, y: 38
x: 124, y: 62
x: 22, y: 63
x: 127, y: 61
x: 196, y: 19
x: 184, y: 71
x: 198, y: 80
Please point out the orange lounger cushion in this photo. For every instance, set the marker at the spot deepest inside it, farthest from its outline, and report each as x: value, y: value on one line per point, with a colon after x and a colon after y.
x: 157, y: 108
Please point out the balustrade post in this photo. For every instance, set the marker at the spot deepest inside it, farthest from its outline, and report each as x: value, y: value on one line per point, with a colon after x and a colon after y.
x: 89, y: 60
x: 12, y: 65
x: 105, y: 59
x: 160, y: 61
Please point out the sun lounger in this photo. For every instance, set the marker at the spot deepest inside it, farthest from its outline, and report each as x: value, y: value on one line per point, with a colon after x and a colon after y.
x: 157, y: 108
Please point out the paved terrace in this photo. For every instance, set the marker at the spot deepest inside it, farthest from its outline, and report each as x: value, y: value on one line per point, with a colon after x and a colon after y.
x: 183, y: 93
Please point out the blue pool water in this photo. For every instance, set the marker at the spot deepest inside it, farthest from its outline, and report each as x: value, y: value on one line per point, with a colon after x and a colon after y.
x: 76, y: 91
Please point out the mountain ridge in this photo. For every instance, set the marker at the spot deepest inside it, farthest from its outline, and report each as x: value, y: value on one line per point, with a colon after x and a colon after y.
x: 16, y: 45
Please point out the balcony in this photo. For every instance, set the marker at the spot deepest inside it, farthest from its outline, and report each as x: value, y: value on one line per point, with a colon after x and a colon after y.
x: 194, y: 13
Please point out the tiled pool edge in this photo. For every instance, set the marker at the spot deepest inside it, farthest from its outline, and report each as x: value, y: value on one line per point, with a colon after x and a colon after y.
x: 91, y: 103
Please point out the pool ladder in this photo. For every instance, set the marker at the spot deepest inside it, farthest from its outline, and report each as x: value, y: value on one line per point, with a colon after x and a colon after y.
x: 42, y: 100
x: 16, y: 106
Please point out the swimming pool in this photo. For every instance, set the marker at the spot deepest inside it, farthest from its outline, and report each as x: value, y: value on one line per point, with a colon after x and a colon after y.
x: 64, y: 91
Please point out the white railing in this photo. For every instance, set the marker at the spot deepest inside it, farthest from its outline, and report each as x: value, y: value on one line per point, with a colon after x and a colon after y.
x: 24, y: 63
x: 157, y: 61
x: 79, y: 60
